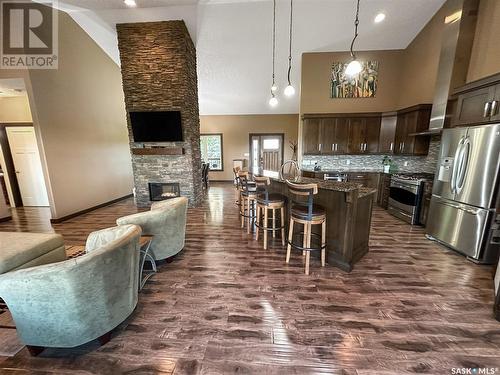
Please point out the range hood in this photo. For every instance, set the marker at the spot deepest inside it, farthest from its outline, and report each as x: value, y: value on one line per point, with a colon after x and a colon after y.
x: 456, y: 45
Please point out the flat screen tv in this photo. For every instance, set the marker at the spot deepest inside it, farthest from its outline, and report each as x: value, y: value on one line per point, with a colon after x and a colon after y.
x: 156, y: 126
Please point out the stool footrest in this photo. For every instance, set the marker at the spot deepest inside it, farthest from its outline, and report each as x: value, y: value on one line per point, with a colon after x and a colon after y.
x: 298, y: 247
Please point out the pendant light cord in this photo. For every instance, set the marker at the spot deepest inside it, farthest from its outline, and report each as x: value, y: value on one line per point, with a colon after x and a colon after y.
x: 274, y: 43
x: 356, y: 24
x: 290, y: 49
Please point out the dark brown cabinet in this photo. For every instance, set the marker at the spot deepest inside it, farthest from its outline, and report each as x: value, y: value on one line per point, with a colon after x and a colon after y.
x: 367, y: 133
x: 387, y: 133
x: 478, y: 102
x: 410, y: 121
x: 333, y: 135
x: 364, y: 135
x: 384, y: 190
x: 310, y: 136
x: 367, y: 179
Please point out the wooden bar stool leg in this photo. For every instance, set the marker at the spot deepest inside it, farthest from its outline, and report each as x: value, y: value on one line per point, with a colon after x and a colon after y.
x: 304, y: 239
x: 282, y: 226
x: 242, y: 210
x: 323, y: 242
x: 274, y: 222
x: 248, y: 216
x: 308, y: 253
x: 265, y: 228
x: 257, y: 223
x: 290, y: 239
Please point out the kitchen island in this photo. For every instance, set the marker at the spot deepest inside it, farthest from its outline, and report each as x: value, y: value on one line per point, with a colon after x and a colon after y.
x: 348, y: 208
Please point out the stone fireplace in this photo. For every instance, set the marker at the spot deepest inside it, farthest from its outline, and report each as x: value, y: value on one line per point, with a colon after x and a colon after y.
x: 158, y: 63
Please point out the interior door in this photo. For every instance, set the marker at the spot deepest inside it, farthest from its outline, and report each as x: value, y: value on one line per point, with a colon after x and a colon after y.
x: 480, y: 163
x: 266, y: 152
x: 28, y: 166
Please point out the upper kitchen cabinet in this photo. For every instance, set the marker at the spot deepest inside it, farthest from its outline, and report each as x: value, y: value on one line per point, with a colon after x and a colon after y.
x: 333, y: 135
x: 364, y: 135
x: 387, y: 133
x: 478, y: 102
x: 310, y: 136
x: 410, y: 121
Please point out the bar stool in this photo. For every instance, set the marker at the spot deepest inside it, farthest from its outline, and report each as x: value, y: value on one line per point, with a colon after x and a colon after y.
x: 266, y: 202
x: 247, y: 199
x: 308, y: 214
x: 237, y: 184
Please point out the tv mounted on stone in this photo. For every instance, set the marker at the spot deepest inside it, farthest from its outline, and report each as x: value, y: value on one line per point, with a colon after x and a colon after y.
x: 156, y: 126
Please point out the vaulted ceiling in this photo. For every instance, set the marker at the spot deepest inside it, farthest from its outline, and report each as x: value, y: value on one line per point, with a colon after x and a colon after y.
x: 233, y: 39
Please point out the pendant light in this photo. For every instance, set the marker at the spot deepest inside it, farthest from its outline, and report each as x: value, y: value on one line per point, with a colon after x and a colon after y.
x: 354, y: 66
x: 290, y: 90
x: 273, y: 102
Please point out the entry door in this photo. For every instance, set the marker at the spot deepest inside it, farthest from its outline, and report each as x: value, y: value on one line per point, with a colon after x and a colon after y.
x: 28, y: 166
x: 266, y: 152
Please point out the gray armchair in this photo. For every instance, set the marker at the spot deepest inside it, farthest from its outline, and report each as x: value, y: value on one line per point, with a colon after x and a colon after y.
x: 69, y: 303
x: 166, y: 221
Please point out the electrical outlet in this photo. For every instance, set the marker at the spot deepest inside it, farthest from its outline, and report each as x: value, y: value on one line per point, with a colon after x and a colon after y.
x: 348, y: 161
x: 406, y: 163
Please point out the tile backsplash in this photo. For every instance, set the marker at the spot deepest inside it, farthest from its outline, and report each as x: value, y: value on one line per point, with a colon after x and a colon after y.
x: 418, y: 164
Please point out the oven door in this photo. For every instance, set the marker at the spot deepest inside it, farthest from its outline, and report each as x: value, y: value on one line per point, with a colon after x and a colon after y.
x: 403, y: 201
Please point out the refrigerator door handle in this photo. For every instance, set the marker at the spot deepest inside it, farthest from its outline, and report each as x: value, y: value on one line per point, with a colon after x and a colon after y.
x: 464, y: 163
x: 455, y: 166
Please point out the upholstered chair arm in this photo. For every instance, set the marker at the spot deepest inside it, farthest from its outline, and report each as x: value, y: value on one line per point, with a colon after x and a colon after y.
x: 100, y: 238
x: 149, y: 221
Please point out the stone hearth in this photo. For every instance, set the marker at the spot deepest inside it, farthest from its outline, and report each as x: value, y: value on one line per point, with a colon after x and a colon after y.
x: 158, y: 63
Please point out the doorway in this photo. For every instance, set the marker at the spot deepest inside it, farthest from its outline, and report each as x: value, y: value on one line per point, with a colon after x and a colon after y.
x: 266, y: 152
x: 28, y: 166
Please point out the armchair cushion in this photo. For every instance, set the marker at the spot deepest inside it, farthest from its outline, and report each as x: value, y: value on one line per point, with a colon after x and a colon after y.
x: 20, y: 250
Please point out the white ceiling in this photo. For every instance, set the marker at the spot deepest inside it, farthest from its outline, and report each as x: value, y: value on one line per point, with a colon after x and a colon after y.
x: 12, y: 87
x: 233, y: 39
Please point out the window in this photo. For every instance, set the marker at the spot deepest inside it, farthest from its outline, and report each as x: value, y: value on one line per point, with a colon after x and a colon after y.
x: 211, y: 151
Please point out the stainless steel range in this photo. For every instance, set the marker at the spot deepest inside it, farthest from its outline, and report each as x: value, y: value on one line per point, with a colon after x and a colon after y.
x: 405, y: 197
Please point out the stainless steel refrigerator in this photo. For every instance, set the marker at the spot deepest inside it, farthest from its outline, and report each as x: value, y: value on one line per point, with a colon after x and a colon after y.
x: 464, y: 211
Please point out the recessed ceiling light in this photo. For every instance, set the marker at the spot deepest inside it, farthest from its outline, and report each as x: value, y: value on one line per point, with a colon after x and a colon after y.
x: 379, y: 17
x: 130, y: 3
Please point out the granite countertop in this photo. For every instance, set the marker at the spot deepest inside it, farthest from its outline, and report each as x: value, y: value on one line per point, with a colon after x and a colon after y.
x: 326, y: 185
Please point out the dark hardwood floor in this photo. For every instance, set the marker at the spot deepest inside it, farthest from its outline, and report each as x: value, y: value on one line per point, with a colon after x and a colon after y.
x: 227, y: 306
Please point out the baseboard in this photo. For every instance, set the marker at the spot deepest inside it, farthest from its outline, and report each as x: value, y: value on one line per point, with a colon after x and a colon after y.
x: 87, y: 210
